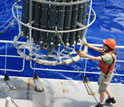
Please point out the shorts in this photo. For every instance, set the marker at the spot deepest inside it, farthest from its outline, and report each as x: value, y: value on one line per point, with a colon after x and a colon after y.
x: 104, y: 82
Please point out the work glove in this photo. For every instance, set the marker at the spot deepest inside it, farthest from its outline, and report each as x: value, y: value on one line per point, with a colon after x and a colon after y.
x: 80, y: 53
x: 87, y: 44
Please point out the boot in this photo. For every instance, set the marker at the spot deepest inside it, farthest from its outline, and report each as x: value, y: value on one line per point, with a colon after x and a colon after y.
x: 110, y: 100
x: 99, y: 105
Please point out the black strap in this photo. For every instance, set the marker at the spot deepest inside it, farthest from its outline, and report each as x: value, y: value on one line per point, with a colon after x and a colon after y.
x: 110, y: 66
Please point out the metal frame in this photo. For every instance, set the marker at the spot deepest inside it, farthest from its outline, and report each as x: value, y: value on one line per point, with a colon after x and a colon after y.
x: 29, y: 44
x: 12, y: 56
x: 54, y: 31
x: 52, y: 70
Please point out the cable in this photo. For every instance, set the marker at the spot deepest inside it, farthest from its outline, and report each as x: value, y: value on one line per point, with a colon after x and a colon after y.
x: 6, y: 94
x: 85, y: 80
x: 14, y: 102
x: 11, y: 24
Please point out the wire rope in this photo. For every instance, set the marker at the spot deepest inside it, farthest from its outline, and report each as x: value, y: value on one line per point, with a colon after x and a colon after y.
x: 83, y: 77
x: 11, y: 24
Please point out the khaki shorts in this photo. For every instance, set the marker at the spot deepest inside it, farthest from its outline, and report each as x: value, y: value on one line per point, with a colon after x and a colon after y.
x: 104, y: 82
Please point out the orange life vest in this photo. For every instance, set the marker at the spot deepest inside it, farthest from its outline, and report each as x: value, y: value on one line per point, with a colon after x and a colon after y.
x: 104, y: 67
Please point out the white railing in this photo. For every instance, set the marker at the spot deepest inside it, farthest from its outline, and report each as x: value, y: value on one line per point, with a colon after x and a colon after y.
x: 6, y: 56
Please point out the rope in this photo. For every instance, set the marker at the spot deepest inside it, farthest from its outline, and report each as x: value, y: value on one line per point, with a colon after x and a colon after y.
x: 6, y: 94
x: 11, y: 24
x: 85, y: 80
x: 14, y: 102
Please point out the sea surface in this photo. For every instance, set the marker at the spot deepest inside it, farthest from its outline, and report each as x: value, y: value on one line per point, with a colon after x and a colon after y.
x: 109, y: 24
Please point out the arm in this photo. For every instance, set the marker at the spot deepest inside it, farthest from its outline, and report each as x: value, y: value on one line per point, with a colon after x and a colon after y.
x: 93, y: 47
x: 94, y: 58
x: 80, y: 53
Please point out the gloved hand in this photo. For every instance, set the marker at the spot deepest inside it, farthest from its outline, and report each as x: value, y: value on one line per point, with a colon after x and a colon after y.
x: 87, y: 44
x: 80, y: 53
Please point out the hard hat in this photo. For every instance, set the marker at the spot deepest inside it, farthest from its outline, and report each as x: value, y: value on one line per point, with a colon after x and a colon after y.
x: 110, y: 42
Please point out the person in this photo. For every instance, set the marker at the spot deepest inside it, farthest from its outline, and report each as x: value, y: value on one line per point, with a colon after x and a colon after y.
x: 106, y: 65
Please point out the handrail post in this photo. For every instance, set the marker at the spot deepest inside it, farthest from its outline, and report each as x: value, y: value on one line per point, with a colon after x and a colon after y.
x: 8, y: 99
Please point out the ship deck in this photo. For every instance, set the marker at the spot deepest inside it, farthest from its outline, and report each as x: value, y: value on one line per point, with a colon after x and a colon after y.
x: 54, y: 93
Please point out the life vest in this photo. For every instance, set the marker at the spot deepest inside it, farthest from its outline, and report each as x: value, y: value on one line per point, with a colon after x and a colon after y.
x: 104, y: 67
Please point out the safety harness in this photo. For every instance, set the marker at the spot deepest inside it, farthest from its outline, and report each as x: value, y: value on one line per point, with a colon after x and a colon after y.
x: 110, y: 66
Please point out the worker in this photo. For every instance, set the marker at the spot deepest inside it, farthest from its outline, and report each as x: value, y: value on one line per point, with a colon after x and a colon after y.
x: 106, y: 65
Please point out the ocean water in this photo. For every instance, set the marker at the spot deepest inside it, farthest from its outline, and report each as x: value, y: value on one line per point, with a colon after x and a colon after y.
x: 109, y: 24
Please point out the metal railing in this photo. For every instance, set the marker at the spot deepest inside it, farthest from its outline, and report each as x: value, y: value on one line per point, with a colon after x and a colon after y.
x: 6, y: 56
x: 39, y: 58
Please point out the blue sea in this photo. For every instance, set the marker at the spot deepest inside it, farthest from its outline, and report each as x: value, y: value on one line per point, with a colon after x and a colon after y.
x: 109, y: 24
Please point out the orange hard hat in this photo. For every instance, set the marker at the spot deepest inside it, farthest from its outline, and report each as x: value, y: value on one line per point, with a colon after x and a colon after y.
x: 110, y: 42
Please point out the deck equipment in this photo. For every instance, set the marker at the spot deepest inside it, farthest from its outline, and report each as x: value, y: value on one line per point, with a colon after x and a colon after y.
x: 39, y: 23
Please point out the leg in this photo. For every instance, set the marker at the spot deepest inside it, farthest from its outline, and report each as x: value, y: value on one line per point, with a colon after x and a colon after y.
x: 110, y: 98
x: 108, y: 93
x: 102, y: 97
